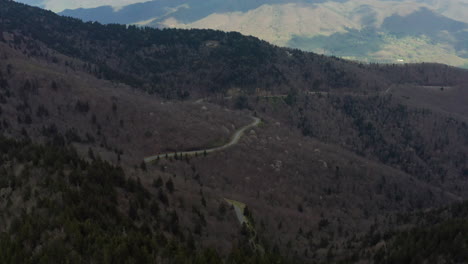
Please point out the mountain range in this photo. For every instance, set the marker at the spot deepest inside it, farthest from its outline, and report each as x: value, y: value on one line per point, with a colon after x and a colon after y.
x: 364, y: 30
x: 264, y: 154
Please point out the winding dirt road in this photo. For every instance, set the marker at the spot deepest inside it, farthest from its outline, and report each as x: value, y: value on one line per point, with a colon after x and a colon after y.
x: 234, y: 140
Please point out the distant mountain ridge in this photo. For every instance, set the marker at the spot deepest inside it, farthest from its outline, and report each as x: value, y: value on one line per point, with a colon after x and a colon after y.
x: 367, y: 30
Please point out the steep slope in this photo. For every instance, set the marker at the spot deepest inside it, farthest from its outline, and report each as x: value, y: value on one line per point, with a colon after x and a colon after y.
x: 58, y: 207
x: 148, y: 59
x: 432, y: 236
x: 341, y: 147
x: 201, y: 63
x: 54, y: 97
x: 319, y: 26
x: 51, y: 100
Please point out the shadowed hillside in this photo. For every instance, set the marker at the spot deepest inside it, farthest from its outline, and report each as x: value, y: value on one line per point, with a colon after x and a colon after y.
x: 341, y: 152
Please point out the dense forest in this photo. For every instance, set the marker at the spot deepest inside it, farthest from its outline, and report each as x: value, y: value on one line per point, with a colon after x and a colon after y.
x: 350, y: 163
x: 382, y: 128
x: 176, y: 63
x: 438, y: 236
x: 61, y: 208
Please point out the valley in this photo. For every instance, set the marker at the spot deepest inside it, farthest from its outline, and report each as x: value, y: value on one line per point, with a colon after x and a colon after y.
x: 262, y: 154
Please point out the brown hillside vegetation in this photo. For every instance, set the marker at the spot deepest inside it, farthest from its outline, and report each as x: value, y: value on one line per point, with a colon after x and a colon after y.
x: 50, y: 98
x: 343, y: 150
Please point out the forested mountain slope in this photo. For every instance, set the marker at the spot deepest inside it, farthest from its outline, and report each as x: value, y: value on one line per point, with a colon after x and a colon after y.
x: 368, y: 30
x: 171, y: 62
x: 342, y: 150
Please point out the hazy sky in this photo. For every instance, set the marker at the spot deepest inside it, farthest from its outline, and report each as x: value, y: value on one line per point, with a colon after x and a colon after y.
x: 60, y: 5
